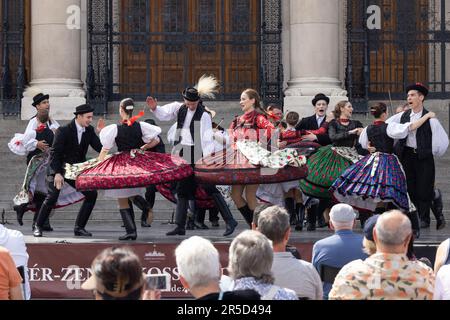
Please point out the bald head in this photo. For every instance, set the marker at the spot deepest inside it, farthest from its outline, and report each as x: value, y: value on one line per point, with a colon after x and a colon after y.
x: 393, y: 228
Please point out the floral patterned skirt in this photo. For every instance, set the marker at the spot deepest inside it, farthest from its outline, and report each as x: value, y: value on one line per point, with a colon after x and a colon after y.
x: 35, y: 182
x: 132, y: 170
x: 249, y: 163
x: 305, y: 148
x: 325, y: 166
x: 376, y: 178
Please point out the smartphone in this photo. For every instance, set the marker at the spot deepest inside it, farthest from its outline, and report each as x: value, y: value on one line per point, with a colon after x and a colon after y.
x: 159, y: 282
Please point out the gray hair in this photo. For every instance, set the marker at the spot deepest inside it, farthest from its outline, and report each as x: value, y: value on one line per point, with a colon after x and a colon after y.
x: 273, y: 222
x: 198, y: 261
x: 251, y: 255
x: 392, y: 228
x: 259, y: 208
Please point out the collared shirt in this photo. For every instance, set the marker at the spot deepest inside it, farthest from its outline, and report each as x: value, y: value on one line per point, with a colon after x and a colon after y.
x: 80, y: 131
x: 411, y: 139
x: 319, y: 120
x: 440, y: 140
x: 297, y: 275
x: 169, y: 112
x: 336, y: 251
x: 264, y: 288
x: 31, y: 130
x: 384, y: 276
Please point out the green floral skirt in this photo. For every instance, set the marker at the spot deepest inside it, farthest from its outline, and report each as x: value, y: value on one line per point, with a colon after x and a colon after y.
x: 324, y: 167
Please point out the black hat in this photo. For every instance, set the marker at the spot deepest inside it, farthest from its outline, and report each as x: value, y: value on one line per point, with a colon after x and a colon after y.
x: 191, y: 94
x: 151, y: 121
x: 39, y: 98
x: 319, y: 97
x: 369, y: 225
x: 82, y: 109
x: 419, y: 87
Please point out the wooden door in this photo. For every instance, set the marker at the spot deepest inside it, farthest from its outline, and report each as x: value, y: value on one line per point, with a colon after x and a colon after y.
x: 177, y: 41
x: 398, y: 52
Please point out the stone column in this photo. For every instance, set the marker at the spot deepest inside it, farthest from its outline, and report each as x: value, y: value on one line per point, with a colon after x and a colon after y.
x: 55, y: 57
x: 314, y: 54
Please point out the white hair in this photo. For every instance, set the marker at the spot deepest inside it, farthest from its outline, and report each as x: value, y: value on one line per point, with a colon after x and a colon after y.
x: 251, y: 255
x: 392, y: 228
x: 198, y: 261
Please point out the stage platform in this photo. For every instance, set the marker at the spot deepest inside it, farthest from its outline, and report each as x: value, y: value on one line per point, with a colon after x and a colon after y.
x: 60, y: 262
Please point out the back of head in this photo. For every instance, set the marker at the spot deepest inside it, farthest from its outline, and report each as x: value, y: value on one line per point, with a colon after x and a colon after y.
x: 273, y: 222
x: 117, y: 274
x: 259, y: 208
x: 127, y: 105
x: 342, y: 216
x: 251, y: 255
x: 392, y: 228
x: 198, y: 262
x: 378, y: 109
x: 292, y: 118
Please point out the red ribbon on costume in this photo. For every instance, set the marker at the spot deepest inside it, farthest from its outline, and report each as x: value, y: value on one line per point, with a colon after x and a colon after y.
x: 41, y: 128
x: 132, y: 120
x: 344, y: 120
x: 273, y: 116
x: 378, y: 122
x: 18, y: 143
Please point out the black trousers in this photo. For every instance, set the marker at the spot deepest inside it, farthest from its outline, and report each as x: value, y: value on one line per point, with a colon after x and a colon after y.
x: 52, y: 198
x: 150, y: 195
x: 420, y: 176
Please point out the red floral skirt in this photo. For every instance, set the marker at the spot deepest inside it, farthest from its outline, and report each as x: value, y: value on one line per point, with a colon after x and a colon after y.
x: 124, y: 171
x: 231, y: 167
x: 202, y: 199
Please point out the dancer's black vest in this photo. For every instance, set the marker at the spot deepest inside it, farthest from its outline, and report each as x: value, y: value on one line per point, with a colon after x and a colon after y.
x: 129, y: 137
x: 379, y: 139
x: 423, y: 138
x: 182, y: 113
x: 47, y: 135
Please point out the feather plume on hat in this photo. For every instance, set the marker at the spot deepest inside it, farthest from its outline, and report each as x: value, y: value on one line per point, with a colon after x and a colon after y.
x: 207, y: 87
x: 32, y: 91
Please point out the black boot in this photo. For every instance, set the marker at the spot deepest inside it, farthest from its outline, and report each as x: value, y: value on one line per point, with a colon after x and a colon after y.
x: 82, y: 219
x: 247, y: 214
x: 290, y: 208
x: 147, y: 215
x: 20, y: 211
x: 40, y: 218
x: 47, y: 226
x: 415, y: 223
x: 312, y: 216
x: 300, y: 213
x: 424, y: 214
x: 180, y: 217
x: 227, y: 216
x: 130, y: 225
x: 214, y: 217
x: 199, y: 219
x: 437, y: 207
x: 323, y: 205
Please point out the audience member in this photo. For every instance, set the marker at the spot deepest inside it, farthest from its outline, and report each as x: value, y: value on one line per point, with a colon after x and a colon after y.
x: 289, y: 272
x: 13, y: 241
x: 388, y: 274
x: 10, y: 279
x: 200, y: 271
x: 442, y: 255
x: 342, y: 247
x: 442, y: 287
x: 250, y: 262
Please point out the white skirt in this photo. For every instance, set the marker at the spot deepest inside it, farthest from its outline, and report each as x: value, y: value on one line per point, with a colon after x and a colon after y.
x: 124, y: 193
